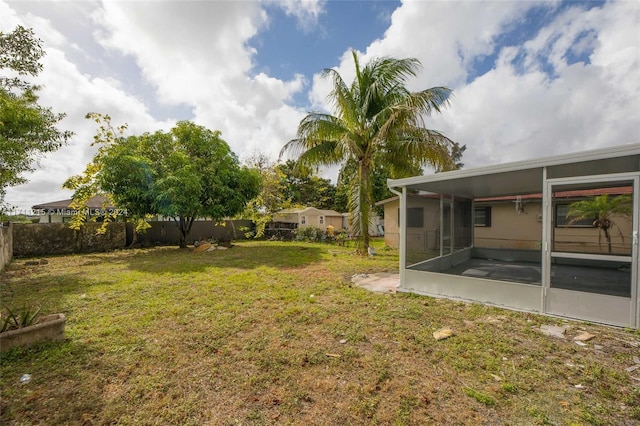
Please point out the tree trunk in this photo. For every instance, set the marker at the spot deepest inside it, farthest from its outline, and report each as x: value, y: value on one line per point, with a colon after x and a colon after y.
x: 608, y: 238
x: 183, y: 232
x: 365, y: 205
x: 181, y: 223
x: 184, y: 225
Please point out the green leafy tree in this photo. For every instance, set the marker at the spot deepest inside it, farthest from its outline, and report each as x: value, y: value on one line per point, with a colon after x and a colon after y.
x: 602, y: 210
x: 27, y: 129
x: 377, y: 122
x: 380, y: 190
x: 271, y: 198
x: 187, y: 173
x: 304, y: 188
x: 85, y: 185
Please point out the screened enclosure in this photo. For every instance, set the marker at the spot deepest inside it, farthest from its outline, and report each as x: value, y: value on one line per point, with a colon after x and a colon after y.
x: 556, y: 235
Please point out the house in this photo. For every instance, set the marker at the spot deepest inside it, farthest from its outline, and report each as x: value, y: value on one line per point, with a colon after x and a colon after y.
x: 425, y: 220
x: 509, y: 222
x: 309, y: 216
x: 499, y: 235
x: 60, y: 212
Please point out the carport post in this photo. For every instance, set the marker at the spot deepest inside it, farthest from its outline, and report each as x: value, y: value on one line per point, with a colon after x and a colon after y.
x: 402, y: 228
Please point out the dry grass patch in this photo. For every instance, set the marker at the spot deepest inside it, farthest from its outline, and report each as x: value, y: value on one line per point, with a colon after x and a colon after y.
x: 169, y: 336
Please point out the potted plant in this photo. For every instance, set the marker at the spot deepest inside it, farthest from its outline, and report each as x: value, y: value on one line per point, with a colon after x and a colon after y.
x: 27, y: 327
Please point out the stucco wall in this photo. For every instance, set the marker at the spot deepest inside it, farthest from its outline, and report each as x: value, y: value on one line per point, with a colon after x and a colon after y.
x: 590, y: 240
x: 418, y: 238
x: 335, y: 221
x: 312, y: 219
x: 391, y: 229
x: 56, y: 238
x: 510, y: 230
x: 6, y: 245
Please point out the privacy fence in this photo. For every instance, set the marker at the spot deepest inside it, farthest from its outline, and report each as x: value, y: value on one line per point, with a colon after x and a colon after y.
x: 41, y: 239
x: 167, y: 233
x: 6, y: 244
x: 38, y: 239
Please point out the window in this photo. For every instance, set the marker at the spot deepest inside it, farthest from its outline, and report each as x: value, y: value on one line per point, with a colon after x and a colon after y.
x: 303, y: 220
x: 415, y: 217
x: 561, y: 218
x: 482, y: 216
x: 321, y: 219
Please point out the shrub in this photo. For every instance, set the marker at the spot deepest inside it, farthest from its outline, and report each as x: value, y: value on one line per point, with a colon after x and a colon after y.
x: 310, y: 234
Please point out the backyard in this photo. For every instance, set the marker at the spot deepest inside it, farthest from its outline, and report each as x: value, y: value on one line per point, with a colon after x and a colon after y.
x: 275, y: 333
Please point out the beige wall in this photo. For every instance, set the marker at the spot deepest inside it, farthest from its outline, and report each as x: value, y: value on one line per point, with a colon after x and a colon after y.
x: 335, y: 221
x: 590, y: 240
x: 510, y: 230
x: 312, y: 219
x: 391, y: 230
x: 416, y: 236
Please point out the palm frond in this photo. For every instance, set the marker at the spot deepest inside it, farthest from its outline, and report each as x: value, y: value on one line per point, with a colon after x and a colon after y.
x: 377, y: 122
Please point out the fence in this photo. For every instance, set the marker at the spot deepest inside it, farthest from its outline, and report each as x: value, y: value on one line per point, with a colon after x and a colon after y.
x: 6, y: 244
x: 167, y: 233
x: 37, y: 239
x: 26, y: 240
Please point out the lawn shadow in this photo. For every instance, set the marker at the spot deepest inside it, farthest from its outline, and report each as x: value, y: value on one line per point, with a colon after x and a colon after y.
x: 47, y: 292
x: 241, y: 256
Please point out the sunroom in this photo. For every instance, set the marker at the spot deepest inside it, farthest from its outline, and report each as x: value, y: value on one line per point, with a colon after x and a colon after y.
x: 512, y: 235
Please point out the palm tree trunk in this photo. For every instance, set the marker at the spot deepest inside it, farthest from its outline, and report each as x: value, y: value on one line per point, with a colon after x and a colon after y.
x: 607, y: 237
x: 365, y: 204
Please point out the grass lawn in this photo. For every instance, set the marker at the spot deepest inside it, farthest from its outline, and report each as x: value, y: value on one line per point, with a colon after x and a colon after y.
x: 274, y: 333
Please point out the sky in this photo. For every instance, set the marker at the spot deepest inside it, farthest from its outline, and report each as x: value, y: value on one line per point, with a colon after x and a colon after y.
x: 530, y: 79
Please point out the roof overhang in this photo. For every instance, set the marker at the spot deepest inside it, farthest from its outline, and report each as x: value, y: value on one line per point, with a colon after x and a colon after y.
x: 524, y: 177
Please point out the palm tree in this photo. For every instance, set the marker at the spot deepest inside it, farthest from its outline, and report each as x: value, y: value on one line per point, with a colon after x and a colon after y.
x: 601, y: 209
x: 377, y: 122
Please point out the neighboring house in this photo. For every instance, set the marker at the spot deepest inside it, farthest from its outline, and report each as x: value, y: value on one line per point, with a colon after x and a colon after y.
x: 499, y: 235
x: 59, y: 211
x: 508, y: 222
x: 309, y: 216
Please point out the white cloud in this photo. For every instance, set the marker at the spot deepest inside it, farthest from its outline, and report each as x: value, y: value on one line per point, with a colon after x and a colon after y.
x: 194, y: 55
x: 194, y: 59
x: 66, y: 90
x: 445, y: 36
x: 518, y: 110
x: 512, y: 114
x: 306, y: 12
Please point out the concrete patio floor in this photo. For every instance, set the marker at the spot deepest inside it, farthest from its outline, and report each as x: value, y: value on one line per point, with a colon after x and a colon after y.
x: 383, y: 282
x: 611, y: 281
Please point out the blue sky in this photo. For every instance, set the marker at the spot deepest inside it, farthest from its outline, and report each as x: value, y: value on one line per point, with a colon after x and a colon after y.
x: 343, y: 24
x: 530, y: 78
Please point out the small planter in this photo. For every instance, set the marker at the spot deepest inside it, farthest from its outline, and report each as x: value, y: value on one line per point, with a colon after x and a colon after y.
x: 49, y: 329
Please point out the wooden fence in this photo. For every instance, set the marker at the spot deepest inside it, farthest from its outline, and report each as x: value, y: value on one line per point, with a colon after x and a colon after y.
x: 167, y: 233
